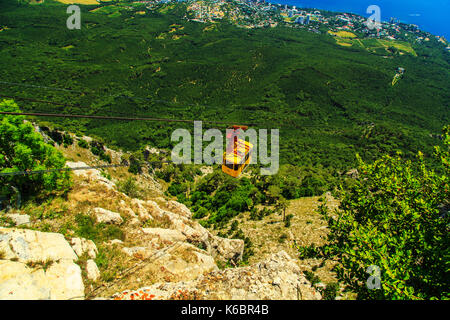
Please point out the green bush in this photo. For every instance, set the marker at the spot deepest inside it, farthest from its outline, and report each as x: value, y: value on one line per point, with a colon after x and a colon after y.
x: 105, y: 157
x: 311, y: 277
x: 67, y: 140
x: 287, y: 223
x: 200, y: 213
x: 176, y: 189
x: 135, y: 166
x: 283, y: 238
x: 256, y: 214
x: 98, y: 149
x: 83, y: 144
x: 97, y: 232
x: 22, y: 149
x: 248, y: 250
x: 391, y: 219
x: 330, y: 291
x: 129, y: 187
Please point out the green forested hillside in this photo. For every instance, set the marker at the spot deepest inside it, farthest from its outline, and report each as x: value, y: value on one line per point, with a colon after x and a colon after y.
x: 328, y: 101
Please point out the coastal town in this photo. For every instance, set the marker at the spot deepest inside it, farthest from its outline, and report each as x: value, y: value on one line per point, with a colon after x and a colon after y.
x: 348, y: 28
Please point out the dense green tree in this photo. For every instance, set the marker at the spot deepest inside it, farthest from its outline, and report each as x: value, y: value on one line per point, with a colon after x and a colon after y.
x: 23, y: 149
x: 394, y: 223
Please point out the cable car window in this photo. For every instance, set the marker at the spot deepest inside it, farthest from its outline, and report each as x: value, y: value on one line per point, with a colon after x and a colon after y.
x: 231, y: 166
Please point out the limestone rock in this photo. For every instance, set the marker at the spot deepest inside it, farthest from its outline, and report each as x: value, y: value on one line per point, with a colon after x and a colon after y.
x: 127, y: 210
x: 92, y: 270
x: 153, y: 208
x: 19, y: 219
x: 115, y: 242
x: 135, y: 222
x: 64, y: 279
x: 161, y: 200
x: 167, y: 235
x: 81, y: 245
x: 33, y: 246
x: 179, y: 208
x: 107, y: 216
x: 277, y: 278
x: 91, y: 174
x: 19, y: 282
x: 227, y: 249
x: 141, y: 210
x: 87, y: 139
x: 138, y: 252
x: 43, y: 266
x: 196, y: 233
x: 188, y: 262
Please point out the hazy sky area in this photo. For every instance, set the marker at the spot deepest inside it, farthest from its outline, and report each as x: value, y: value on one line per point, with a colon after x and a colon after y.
x: 429, y: 15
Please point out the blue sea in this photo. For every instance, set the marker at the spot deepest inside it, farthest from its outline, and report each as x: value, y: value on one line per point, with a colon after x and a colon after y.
x: 429, y: 15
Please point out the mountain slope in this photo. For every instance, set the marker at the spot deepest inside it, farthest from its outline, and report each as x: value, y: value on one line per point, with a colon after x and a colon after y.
x: 108, y: 242
x: 324, y: 97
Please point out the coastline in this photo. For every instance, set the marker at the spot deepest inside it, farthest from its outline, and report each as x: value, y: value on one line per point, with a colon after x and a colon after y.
x: 426, y: 22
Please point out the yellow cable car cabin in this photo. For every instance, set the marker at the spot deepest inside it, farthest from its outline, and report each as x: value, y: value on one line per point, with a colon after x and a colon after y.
x: 237, y: 157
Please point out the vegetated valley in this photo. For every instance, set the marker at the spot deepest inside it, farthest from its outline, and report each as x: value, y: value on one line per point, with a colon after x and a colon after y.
x: 348, y: 139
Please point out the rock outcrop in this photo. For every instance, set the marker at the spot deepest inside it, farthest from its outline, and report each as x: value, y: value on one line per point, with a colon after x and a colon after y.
x: 180, y: 227
x: 91, y: 174
x: 81, y: 246
x: 165, y: 235
x: 227, y: 249
x: 107, y: 216
x: 38, y: 265
x: 179, y: 208
x: 19, y: 219
x: 277, y: 278
x: 25, y: 246
x: 92, y: 271
x: 159, y: 242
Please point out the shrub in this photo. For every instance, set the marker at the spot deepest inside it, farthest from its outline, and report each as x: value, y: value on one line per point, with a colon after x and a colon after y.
x: 177, y: 188
x: 283, y: 238
x: 83, y: 144
x: 87, y: 228
x: 330, y: 291
x: 311, y: 277
x: 105, y: 157
x: 67, y: 140
x: 391, y: 219
x: 98, y: 149
x: 234, y: 226
x: 287, y: 223
x: 248, y: 251
x: 201, y: 213
x: 135, y: 166
x: 23, y: 149
x: 129, y: 187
